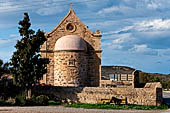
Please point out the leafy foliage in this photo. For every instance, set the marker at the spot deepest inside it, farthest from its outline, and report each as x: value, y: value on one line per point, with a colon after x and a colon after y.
x: 4, y: 68
x: 6, y: 83
x: 27, y: 65
x: 42, y: 100
x: 155, y: 77
x: 20, y: 99
x: 53, y: 102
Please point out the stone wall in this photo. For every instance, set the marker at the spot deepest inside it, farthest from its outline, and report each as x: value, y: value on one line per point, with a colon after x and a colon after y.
x: 112, y: 83
x: 70, y: 75
x: 139, y: 96
x: 48, y: 78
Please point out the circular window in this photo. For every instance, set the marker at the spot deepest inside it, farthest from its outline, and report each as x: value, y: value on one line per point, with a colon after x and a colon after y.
x: 70, y: 27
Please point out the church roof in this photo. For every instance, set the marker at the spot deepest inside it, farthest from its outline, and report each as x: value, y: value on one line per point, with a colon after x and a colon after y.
x: 71, y: 11
x: 119, y: 69
x: 70, y: 42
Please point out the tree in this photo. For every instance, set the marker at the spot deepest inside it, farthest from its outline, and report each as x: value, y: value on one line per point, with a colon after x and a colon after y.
x: 27, y: 67
x: 4, y: 68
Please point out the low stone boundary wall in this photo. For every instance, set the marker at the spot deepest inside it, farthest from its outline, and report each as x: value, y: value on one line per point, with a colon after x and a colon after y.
x: 140, y: 96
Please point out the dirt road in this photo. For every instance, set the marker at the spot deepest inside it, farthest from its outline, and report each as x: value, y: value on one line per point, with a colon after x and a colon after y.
x: 60, y: 109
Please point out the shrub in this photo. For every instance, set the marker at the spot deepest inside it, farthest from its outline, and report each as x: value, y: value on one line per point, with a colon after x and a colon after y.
x: 42, y: 100
x: 20, y: 99
x: 53, y: 103
x: 31, y: 101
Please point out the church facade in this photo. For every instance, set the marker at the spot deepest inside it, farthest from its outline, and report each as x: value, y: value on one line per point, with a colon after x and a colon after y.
x: 74, y: 53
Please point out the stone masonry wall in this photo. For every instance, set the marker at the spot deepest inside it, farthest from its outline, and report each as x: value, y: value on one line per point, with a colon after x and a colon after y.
x: 48, y: 78
x: 70, y: 75
x: 139, y: 96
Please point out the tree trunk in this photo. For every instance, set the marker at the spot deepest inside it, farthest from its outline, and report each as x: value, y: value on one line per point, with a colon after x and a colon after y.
x: 28, y: 94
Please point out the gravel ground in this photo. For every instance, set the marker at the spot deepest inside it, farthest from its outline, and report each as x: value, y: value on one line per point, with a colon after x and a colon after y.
x: 60, y: 109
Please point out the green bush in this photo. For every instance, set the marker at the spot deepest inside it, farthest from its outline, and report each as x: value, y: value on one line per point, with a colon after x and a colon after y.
x: 20, y: 99
x: 31, y: 101
x: 53, y: 103
x: 42, y: 100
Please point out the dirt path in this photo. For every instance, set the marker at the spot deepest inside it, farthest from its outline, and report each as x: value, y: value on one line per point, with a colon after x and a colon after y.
x: 60, y: 109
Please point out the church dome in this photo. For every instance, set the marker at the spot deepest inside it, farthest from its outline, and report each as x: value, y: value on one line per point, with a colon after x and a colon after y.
x: 70, y: 42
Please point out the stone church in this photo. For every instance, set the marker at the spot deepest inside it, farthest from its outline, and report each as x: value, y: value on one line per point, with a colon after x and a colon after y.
x: 74, y: 53
x: 75, y: 60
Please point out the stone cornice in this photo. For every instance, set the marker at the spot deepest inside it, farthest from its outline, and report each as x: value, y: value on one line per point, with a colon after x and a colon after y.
x: 51, y: 51
x: 98, y: 51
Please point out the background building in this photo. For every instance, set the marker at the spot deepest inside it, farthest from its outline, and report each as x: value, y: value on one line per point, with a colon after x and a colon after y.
x: 119, y: 76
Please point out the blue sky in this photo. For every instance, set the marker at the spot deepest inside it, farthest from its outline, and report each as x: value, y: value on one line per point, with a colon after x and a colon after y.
x: 135, y: 32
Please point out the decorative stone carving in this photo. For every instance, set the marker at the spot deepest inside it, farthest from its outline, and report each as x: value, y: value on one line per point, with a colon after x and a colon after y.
x: 70, y: 27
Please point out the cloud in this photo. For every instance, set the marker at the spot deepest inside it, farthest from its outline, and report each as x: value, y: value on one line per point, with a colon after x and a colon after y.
x: 114, y: 9
x: 109, y: 10
x: 147, y: 37
x: 140, y: 48
x: 5, y: 55
x: 14, y: 36
x: 94, y: 4
x: 136, y: 9
x: 111, y: 45
x: 10, y: 41
x: 153, y: 5
x: 147, y: 26
x: 48, y: 11
x: 152, y: 25
x: 50, y: 7
x: 157, y: 4
x: 13, y: 6
x: 164, y: 52
x: 119, y: 41
x: 101, y: 24
x: 7, y: 25
x: 122, y: 38
x: 4, y: 42
x: 40, y: 7
x: 8, y: 7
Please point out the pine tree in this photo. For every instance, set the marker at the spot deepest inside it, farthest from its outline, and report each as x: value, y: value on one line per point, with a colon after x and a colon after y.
x: 27, y: 65
x: 4, y: 68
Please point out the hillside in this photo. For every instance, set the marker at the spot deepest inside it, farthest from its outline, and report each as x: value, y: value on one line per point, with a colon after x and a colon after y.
x: 155, y: 77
